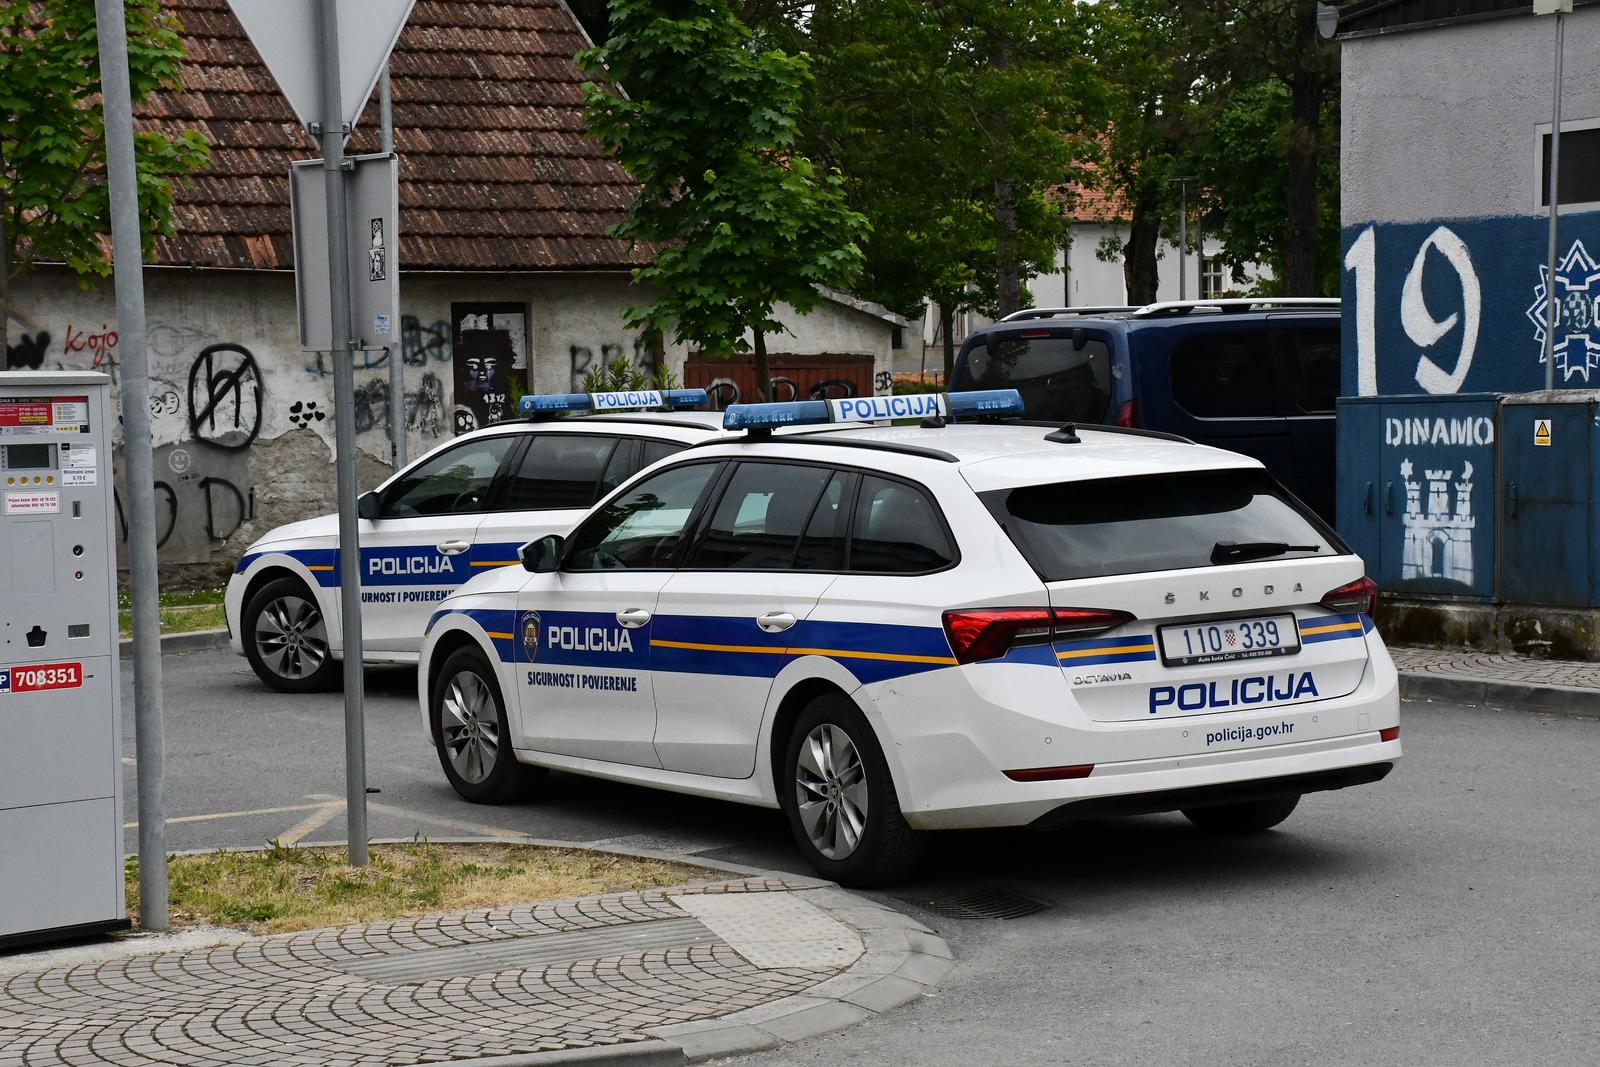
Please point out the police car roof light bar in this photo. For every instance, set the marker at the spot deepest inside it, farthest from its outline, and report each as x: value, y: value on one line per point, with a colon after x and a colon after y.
x: 535, y: 405
x: 982, y: 403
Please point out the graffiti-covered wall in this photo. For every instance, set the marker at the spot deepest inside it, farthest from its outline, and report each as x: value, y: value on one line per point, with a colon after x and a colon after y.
x: 1443, y: 236
x: 243, y: 418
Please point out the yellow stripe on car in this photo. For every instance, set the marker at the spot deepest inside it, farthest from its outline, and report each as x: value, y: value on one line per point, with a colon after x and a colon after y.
x: 837, y: 653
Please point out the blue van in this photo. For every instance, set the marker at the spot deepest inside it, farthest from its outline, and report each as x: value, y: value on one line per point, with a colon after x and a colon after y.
x: 1253, y: 376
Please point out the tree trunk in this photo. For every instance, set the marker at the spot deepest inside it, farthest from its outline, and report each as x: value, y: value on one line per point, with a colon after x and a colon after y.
x: 1008, y: 271
x: 1140, y: 268
x: 1300, y: 249
x: 947, y: 327
x: 763, y: 374
x: 5, y: 289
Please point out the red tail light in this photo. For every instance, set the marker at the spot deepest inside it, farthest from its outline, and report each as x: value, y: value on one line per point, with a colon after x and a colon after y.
x: 1360, y: 595
x: 987, y: 633
x: 1050, y: 774
x: 1128, y: 414
x: 1389, y: 733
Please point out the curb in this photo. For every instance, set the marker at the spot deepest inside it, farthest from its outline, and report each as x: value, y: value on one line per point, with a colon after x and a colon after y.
x: 1566, y: 701
x: 902, y: 960
x: 195, y: 641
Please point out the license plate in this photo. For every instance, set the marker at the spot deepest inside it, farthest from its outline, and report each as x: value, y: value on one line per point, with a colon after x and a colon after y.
x: 1219, y: 642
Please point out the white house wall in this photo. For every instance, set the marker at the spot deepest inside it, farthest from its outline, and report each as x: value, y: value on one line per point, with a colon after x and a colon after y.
x: 243, y: 418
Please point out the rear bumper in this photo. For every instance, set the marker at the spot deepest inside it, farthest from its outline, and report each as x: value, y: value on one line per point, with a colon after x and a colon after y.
x: 1208, y: 795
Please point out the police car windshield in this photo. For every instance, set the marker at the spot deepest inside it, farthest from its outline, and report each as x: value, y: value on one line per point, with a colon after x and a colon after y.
x: 1164, y: 522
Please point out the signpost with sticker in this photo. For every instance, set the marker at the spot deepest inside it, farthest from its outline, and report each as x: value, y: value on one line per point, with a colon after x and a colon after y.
x: 327, y: 56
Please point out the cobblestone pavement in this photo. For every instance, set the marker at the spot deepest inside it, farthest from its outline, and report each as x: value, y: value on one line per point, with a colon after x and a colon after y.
x: 436, y: 988
x: 1497, y: 667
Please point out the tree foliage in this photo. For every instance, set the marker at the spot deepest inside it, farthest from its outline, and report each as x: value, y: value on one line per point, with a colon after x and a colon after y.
x: 739, y: 217
x: 54, y: 204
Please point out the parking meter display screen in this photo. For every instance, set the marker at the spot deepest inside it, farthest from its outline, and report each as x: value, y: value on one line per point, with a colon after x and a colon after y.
x: 28, y: 457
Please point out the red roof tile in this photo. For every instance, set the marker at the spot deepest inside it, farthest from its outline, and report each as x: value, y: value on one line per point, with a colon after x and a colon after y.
x: 496, y: 172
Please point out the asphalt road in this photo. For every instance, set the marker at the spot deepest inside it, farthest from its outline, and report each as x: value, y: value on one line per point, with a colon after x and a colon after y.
x: 1445, y: 916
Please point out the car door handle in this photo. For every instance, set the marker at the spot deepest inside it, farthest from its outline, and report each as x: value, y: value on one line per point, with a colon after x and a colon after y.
x: 454, y: 548
x: 775, y: 622
x: 633, y: 618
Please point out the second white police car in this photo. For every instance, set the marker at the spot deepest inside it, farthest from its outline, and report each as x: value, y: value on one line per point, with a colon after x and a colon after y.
x: 886, y: 630
x: 461, y: 509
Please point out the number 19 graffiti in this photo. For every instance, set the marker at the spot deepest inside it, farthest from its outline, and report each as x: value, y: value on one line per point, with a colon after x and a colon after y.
x: 1420, y: 326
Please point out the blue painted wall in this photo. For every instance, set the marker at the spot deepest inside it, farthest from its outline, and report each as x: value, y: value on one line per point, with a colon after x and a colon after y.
x: 1456, y: 306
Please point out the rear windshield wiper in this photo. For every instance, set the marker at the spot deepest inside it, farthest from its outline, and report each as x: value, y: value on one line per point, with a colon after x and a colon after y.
x: 1239, y: 551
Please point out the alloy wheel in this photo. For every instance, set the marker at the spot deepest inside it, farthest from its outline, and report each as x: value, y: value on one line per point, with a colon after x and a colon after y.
x: 291, y: 637
x: 831, y: 791
x: 470, y: 727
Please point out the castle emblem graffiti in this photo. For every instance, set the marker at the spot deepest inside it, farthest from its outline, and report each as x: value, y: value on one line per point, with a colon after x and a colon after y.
x: 1577, y: 332
x: 1438, y: 527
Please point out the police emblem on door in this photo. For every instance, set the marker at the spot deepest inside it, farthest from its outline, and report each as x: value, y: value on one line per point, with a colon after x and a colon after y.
x: 530, y: 635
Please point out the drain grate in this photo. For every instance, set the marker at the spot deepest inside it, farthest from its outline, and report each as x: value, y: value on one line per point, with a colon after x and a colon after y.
x: 983, y: 904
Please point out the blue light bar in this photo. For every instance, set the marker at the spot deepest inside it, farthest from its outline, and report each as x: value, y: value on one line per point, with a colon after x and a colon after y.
x: 620, y: 400
x: 767, y: 416
x: 984, y: 402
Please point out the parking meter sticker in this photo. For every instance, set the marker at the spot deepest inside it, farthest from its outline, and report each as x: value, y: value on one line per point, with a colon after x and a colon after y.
x: 41, y: 677
x: 47, y: 503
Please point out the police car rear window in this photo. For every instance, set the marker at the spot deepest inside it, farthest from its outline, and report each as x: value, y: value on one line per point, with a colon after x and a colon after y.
x: 1115, y: 526
x: 1058, y: 380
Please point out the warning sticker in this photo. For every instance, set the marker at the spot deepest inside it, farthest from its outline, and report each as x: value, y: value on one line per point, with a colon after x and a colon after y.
x: 46, y: 503
x: 1541, y: 432
x: 40, y: 677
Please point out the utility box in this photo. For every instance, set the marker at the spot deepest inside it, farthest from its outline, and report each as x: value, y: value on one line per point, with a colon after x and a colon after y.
x: 1548, y: 449
x: 60, y: 714
x: 1416, y: 493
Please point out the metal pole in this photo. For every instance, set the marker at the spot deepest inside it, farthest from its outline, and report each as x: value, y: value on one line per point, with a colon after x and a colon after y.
x: 397, y: 371
x: 1550, y: 320
x: 1183, y: 239
x: 344, y: 417
x: 128, y: 266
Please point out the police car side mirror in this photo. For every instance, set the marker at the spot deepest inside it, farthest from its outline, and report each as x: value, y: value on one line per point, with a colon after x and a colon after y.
x: 369, y: 505
x: 542, y: 556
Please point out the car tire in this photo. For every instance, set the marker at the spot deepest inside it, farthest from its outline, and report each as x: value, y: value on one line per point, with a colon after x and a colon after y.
x: 472, y: 735
x: 836, y: 790
x: 285, y: 638
x: 1250, y: 817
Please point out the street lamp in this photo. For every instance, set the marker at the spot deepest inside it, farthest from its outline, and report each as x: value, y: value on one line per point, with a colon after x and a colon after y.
x: 1182, y: 182
x: 1558, y: 8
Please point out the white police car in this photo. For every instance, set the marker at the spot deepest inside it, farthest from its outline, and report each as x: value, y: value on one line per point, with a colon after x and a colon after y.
x: 886, y: 630
x: 462, y: 509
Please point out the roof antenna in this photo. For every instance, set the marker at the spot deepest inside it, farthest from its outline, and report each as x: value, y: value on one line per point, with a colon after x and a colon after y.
x: 933, y: 422
x: 1067, y: 435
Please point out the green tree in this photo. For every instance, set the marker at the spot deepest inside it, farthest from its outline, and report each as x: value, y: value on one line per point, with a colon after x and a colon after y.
x: 1271, y: 160
x: 1156, y: 119
x: 740, y: 219
x: 54, y: 207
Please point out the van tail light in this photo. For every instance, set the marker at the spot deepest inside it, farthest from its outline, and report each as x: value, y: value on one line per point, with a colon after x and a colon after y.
x: 988, y: 633
x: 1128, y: 414
x: 1360, y: 595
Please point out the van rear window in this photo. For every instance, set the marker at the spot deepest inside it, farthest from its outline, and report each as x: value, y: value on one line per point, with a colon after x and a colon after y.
x: 1163, y: 522
x: 1058, y: 383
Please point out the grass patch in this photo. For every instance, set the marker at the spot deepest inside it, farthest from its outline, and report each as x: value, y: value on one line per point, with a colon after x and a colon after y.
x: 283, y: 889
x: 178, y: 619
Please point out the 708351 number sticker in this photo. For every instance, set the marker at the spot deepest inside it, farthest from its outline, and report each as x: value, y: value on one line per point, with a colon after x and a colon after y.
x: 41, y: 677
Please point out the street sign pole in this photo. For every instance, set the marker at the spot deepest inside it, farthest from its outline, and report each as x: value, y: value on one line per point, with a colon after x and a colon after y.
x: 138, y: 463
x: 397, y: 373
x: 332, y: 132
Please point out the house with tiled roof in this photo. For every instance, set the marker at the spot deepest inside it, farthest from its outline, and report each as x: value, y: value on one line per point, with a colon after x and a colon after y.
x: 504, y: 253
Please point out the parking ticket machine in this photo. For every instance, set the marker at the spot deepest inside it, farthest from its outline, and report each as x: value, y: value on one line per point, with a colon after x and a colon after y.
x: 60, y: 730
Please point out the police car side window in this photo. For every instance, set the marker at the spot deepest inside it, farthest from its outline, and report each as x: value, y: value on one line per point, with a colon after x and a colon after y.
x: 758, y: 521
x: 559, y: 470
x: 822, y: 545
x: 453, y: 482
x: 896, y: 530
x: 642, y: 528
